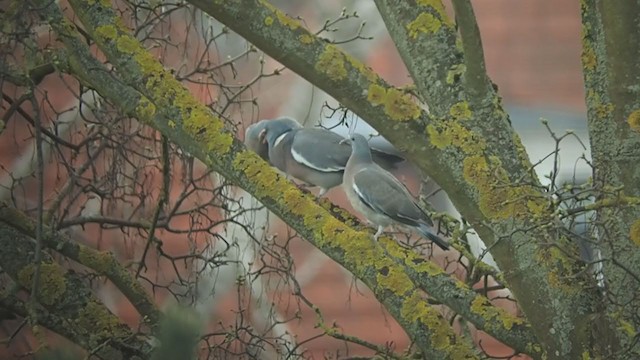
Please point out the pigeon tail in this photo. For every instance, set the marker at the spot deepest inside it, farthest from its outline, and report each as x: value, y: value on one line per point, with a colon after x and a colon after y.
x: 426, y: 231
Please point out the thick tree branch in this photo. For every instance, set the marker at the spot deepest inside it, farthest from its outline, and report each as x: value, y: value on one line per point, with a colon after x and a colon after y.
x: 503, y: 196
x: 475, y: 77
x: 67, y: 301
x: 477, y: 309
x: 474, y: 307
x: 610, y: 53
x: 103, y: 263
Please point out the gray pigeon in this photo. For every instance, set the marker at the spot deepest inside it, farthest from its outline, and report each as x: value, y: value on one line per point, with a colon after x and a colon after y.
x: 252, y: 138
x: 314, y: 155
x: 380, y: 197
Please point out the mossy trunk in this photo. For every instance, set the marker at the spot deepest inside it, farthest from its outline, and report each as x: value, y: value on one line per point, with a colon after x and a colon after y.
x: 611, y: 62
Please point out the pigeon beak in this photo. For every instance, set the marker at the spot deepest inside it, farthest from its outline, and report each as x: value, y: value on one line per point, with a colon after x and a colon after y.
x: 262, y: 136
x: 345, y: 141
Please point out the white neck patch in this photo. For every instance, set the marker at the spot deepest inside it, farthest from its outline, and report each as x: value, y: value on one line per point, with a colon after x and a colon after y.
x: 279, y: 139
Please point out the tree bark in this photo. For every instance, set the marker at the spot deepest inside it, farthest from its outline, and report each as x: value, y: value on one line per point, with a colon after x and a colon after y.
x: 610, y: 53
x: 65, y: 303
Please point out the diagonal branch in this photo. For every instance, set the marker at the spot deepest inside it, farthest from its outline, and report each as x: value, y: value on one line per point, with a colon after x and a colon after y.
x: 67, y: 302
x: 102, y: 263
x: 473, y: 307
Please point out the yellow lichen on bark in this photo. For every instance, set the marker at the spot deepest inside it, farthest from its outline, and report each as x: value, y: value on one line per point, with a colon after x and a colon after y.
x: 562, y: 271
x: 634, y: 232
x: 267, y: 182
x: 398, y: 105
x: 327, y: 230
x: 412, y: 259
x: 283, y: 18
x: 164, y: 90
x: 634, y: 120
x: 306, y: 39
x: 438, y: 7
x: 604, y: 110
x: 522, y: 152
x: 499, y: 199
x: 394, y: 278
x: 363, y: 69
x: 102, y: 324
x: 589, y: 61
x: 51, y: 285
x: 455, y: 72
x: 100, y: 261
x: 146, y: 110
x: 425, y: 23
x: 452, y: 133
x: 331, y: 62
x: 415, y: 308
x: 460, y: 111
x: 481, y: 306
x: 107, y: 32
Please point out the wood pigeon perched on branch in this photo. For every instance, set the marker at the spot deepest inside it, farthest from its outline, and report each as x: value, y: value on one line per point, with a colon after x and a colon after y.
x: 314, y: 155
x: 380, y: 197
x: 253, y: 141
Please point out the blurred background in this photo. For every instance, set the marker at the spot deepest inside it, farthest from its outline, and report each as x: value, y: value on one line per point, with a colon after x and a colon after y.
x: 532, y: 51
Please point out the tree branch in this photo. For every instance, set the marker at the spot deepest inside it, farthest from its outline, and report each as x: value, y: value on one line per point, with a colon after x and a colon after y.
x: 475, y: 77
x: 103, y: 263
x: 610, y: 53
x: 67, y: 302
x: 473, y: 307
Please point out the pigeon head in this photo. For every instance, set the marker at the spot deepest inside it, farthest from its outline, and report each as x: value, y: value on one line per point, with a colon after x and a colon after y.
x: 277, y: 127
x: 359, y: 146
